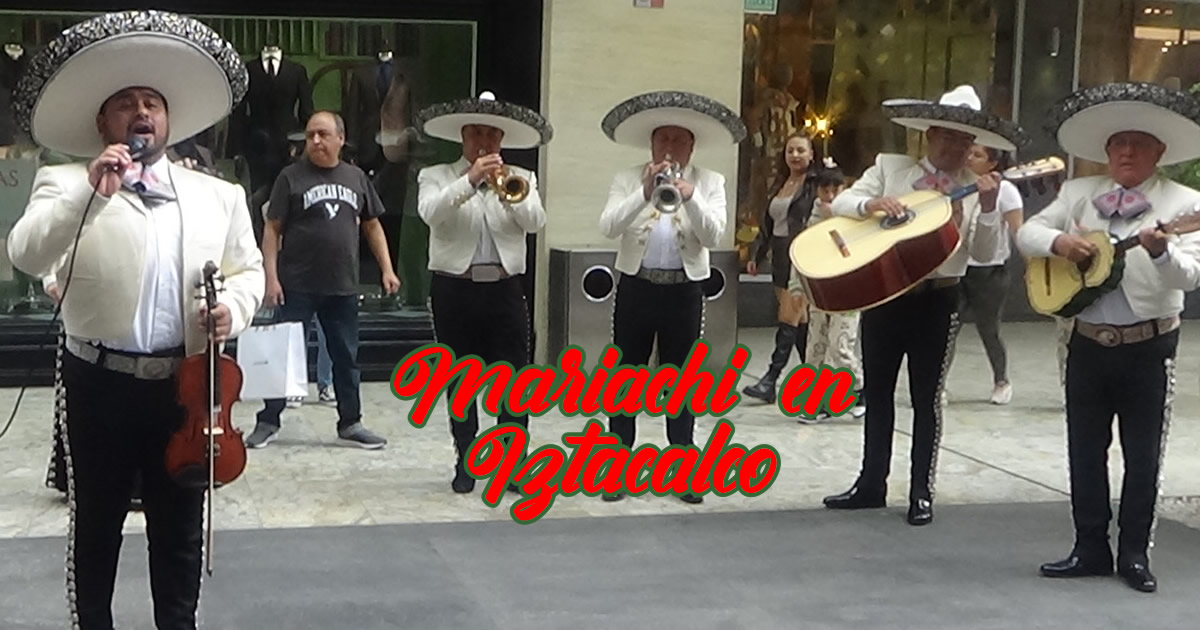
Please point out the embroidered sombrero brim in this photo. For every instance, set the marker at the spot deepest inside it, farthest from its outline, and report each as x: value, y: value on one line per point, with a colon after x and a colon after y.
x: 1084, y: 121
x: 199, y: 74
x: 989, y: 130
x: 523, y: 128
x: 632, y: 122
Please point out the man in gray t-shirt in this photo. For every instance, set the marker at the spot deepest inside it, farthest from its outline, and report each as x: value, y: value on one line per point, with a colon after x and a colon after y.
x: 310, y: 255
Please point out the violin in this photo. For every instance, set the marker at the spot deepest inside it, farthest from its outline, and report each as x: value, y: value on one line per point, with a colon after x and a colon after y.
x: 207, y: 451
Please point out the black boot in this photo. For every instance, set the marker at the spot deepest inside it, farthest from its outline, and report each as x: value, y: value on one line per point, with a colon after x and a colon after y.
x: 764, y: 389
x: 802, y: 341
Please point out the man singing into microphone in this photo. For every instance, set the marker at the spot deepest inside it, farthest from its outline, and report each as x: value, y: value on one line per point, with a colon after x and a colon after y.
x: 136, y: 231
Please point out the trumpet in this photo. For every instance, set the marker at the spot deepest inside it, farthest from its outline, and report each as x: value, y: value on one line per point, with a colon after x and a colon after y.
x: 508, y: 187
x: 666, y: 197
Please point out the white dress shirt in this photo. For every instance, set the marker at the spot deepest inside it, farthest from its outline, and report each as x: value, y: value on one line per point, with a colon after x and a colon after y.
x: 277, y: 56
x: 158, y: 318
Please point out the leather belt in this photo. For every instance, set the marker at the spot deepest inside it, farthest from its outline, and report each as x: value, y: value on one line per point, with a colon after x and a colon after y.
x: 663, y: 276
x: 142, y: 366
x: 933, y: 285
x: 1112, y: 336
x: 479, y: 273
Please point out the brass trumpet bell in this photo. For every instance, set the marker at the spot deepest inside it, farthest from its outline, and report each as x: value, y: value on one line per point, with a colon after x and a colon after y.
x: 508, y: 187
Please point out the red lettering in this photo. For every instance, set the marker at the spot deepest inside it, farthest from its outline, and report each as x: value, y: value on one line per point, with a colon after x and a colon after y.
x: 536, y: 404
x: 616, y: 458
x: 725, y: 398
x: 475, y: 378
x: 692, y: 377
x: 651, y: 398
x: 591, y: 401
x: 547, y: 461
x: 623, y: 392
x: 679, y: 480
x: 722, y: 485
x: 642, y: 458
x: 568, y: 394
x: 499, y: 461
x: 412, y: 378
x: 842, y: 382
x: 798, y: 382
x: 584, y: 443
x: 750, y: 467
x: 702, y: 479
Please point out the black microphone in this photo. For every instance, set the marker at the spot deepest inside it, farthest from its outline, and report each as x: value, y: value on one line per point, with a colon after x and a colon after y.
x: 138, y: 148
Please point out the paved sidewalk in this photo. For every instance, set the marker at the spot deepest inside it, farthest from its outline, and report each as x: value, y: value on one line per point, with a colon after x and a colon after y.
x: 991, y: 454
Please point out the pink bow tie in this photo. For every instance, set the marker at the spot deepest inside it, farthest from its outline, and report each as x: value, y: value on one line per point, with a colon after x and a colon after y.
x: 146, y: 184
x: 938, y: 181
x: 1122, y: 202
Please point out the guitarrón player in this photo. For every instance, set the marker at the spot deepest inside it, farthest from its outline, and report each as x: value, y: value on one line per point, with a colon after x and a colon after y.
x: 1121, y: 356
x: 921, y: 324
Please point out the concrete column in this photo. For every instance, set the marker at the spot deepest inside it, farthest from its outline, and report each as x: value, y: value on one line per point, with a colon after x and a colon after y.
x: 595, y: 54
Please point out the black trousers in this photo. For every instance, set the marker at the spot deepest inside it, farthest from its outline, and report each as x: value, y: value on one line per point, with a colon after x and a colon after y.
x: 922, y: 326
x: 117, y: 426
x: 1135, y: 382
x: 485, y: 319
x: 671, y: 313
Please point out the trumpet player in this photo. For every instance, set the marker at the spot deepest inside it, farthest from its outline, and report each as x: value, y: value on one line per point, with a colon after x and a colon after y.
x: 668, y: 213
x: 479, y: 211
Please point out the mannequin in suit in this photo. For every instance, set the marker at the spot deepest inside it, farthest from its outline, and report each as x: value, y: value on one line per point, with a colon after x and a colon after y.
x: 378, y: 110
x: 278, y: 102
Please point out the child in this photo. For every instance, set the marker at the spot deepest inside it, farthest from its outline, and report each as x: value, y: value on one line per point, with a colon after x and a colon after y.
x: 832, y: 337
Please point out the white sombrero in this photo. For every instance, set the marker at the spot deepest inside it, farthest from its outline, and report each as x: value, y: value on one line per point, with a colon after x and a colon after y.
x: 1084, y: 121
x: 961, y: 110
x: 632, y: 122
x: 199, y: 75
x: 523, y: 128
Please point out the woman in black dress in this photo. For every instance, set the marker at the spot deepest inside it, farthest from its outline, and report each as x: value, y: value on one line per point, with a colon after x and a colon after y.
x: 786, y: 215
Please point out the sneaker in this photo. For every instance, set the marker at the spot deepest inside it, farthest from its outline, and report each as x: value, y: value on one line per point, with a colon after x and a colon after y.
x: 295, y: 402
x: 858, y: 411
x: 359, y: 435
x: 325, y: 395
x: 262, y: 435
x: 817, y: 419
x: 1002, y: 394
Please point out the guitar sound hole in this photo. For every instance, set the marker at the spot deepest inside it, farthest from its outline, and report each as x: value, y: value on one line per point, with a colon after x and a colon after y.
x: 890, y: 221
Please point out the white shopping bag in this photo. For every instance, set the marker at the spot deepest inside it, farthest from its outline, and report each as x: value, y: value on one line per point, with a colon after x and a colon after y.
x: 273, y: 361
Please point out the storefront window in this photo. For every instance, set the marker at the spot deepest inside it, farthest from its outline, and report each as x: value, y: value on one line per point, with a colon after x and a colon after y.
x: 1151, y: 42
x: 341, y: 61
x: 824, y: 66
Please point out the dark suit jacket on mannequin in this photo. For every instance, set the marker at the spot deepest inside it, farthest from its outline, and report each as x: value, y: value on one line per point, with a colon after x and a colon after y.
x: 10, y: 72
x: 365, y: 99
x: 273, y: 108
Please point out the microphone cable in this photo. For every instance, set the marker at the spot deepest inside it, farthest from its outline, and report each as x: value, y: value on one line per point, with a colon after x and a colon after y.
x: 137, y: 150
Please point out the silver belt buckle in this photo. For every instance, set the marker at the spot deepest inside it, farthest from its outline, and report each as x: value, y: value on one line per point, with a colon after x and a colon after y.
x: 1107, y: 336
x: 485, y: 273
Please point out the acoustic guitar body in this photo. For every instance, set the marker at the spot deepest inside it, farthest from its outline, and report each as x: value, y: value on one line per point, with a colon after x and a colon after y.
x: 848, y: 264
x: 1057, y: 286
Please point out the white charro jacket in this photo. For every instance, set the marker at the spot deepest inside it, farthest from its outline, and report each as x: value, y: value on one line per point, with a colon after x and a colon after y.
x: 106, y: 280
x: 457, y: 215
x: 1153, y: 290
x: 699, y: 225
